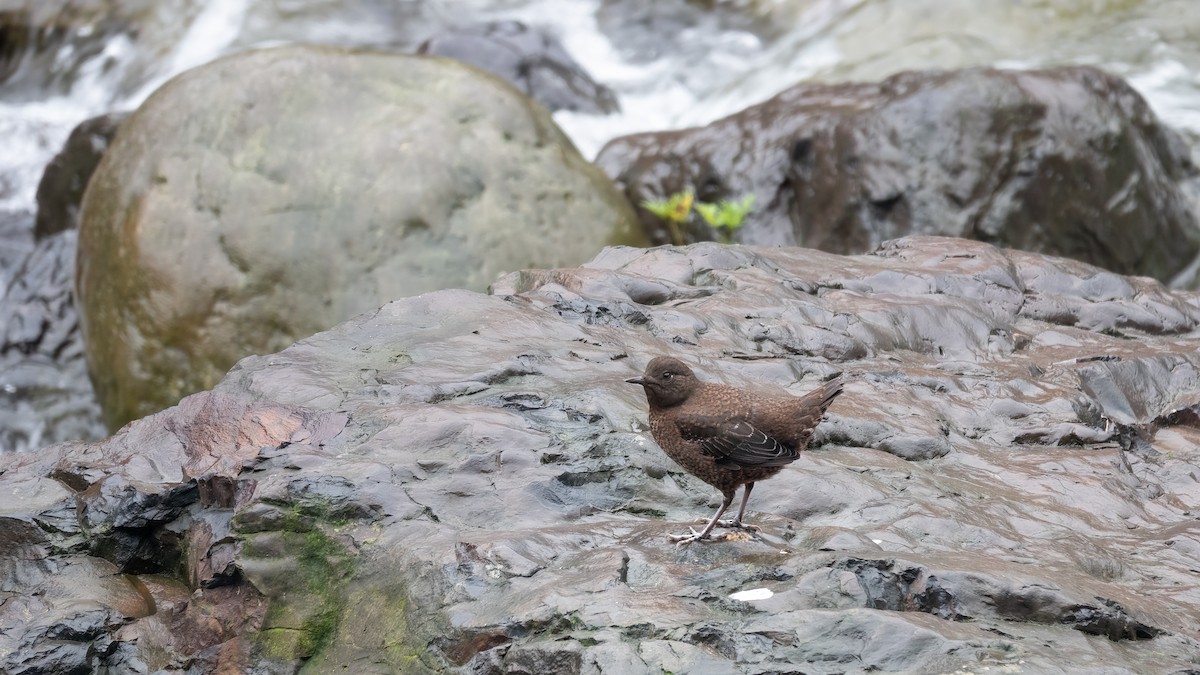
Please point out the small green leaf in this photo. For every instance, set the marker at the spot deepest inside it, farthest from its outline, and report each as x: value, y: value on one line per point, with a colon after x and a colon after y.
x: 735, y: 212
x: 676, y: 209
x: 726, y: 216
x: 659, y: 207
x: 711, y: 213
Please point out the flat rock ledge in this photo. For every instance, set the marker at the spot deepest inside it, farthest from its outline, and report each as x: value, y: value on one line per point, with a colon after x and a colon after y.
x: 463, y: 482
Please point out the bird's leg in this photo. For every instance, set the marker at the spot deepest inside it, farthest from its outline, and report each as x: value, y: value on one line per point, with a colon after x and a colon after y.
x: 682, y: 539
x: 737, y: 523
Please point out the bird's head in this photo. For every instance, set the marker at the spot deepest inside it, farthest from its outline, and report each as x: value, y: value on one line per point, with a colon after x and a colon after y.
x: 667, y: 381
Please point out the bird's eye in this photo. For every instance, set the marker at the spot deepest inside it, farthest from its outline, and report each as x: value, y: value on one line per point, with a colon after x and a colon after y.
x: 668, y: 375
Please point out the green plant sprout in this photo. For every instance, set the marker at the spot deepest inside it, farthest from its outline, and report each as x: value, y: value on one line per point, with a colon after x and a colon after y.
x: 724, y: 216
x: 674, y: 211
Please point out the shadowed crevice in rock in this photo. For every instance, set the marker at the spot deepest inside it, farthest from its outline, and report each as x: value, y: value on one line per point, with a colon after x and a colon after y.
x: 906, y: 587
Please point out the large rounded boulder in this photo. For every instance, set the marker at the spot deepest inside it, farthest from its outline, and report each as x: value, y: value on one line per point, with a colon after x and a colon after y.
x: 272, y: 194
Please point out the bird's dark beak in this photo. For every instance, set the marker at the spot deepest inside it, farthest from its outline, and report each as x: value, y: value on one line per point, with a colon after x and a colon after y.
x: 636, y: 380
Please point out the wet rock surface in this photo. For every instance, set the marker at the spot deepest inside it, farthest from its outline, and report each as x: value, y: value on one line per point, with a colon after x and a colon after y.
x: 464, y: 482
x: 45, y: 394
x: 271, y: 194
x: 46, y: 45
x: 531, y: 59
x: 16, y: 241
x: 646, y: 31
x: 1068, y: 161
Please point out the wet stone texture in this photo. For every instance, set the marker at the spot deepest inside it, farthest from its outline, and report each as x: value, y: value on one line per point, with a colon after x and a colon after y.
x: 531, y: 58
x: 463, y: 482
x: 1069, y: 161
x: 45, y: 394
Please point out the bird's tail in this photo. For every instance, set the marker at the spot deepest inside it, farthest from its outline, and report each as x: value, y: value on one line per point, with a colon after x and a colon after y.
x: 829, y: 391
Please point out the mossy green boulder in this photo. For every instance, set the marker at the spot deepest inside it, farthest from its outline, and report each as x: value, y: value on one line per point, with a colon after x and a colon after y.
x: 272, y: 194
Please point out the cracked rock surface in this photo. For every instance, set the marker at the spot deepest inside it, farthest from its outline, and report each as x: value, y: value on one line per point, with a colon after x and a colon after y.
x: 463, y: 482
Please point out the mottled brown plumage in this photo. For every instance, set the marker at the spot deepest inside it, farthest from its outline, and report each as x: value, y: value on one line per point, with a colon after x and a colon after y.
x: 724, y: 436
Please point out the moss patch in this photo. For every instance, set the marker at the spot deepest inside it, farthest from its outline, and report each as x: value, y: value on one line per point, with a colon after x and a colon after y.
x: 374, y: 629
x: 303, y: 570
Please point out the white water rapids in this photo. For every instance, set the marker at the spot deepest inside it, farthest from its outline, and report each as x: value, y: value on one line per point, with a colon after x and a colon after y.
x: 670, y: 63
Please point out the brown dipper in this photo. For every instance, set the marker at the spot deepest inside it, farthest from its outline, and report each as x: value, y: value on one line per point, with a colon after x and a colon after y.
x: 724, y: 436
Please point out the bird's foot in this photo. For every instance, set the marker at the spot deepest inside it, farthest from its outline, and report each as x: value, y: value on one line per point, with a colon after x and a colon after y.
x: 736, y: 524
x: 685, y: 539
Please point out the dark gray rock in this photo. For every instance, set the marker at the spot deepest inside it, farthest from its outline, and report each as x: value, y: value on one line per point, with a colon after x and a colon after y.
x: 463, y: 482
x: 646, y: 32
x: 66, y: 176
x: 16, y: 240
x: 1068, y: 161
x: 915, y: 447
x: 124, y: 523
x: 557, y: 657
x: 971, y: 595
x: 46, y: 46
x: 45, y: 394
x: 531, y: 59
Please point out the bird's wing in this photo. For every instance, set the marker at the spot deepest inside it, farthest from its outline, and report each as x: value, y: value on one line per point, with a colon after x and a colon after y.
x: 735, y: 442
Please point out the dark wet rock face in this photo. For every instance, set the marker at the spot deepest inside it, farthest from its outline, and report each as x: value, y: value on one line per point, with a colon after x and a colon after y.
x: 67, y: 175
x: 270, y: 194
x: 16, y: 241
x: 531, y: 59
x: 996, y: 594
x: 1067, y: 161
x: 46, y: 45
x: 464, y: 482
x: 30, y: 35
x: 646, y: 31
